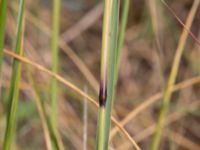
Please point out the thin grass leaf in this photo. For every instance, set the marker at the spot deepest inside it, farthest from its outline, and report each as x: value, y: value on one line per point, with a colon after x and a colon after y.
x: 54, y: 84
x: 3, y: 5
x: 108, y: 69
x: 122, y: 29
x: 15, y: 81
x: 40, y: 108
x: 54, y: 48
x: 114, y: 59
x: 173, y: 74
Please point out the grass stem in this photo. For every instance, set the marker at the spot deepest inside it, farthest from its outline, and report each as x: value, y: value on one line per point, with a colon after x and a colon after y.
x: 3, y: 5
x: 54, y: 48
x: 15, y: 81
x: 54, y: 84
x: 108, y: 66
x: 173, y: 74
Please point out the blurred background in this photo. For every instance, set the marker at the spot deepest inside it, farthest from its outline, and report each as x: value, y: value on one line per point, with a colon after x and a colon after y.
x: 151, y: 39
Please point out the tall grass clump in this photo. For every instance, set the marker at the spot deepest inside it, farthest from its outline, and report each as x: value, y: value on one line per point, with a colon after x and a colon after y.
x: 15, y: 81
x: 3, y: 5
x: 172, y: 77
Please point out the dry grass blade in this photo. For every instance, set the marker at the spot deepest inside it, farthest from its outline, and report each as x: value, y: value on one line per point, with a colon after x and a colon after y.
x: 169, y: 119
x: 179, y: 20
x: 65, y: 48
x: 155, y: 12
x: 181, y: 140
x: 65, y: 82
x: 84, y: 23
x: 150, y: 101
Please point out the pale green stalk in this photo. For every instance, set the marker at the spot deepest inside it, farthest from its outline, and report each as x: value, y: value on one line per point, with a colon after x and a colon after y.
x: 15, y: 81
x: 55, y: 66
x: 101, y: 128
x: 40, y: 108
x: 108, y: 66
x: 172, y: 77
x: 55, y: 59
x: 3, y: 5
x: 103, y: 78
x: 122, y: 29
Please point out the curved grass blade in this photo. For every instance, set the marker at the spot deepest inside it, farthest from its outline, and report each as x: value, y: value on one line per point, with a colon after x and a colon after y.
x: 167, y: 92
x: 15, y: 81
x: 67, y: 84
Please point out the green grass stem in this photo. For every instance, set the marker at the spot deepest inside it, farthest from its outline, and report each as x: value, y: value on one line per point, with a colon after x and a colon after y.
x: 122, y: 29
x: 15, y: 81
x: 3, y: 5
x: 172, y: 77
x: 101, y: 138
x: 108, y: 66
x: 55, y: 58
x: 55, y: 68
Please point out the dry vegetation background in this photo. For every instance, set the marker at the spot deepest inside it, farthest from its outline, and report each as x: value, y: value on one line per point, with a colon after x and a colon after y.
x: 150, y: 43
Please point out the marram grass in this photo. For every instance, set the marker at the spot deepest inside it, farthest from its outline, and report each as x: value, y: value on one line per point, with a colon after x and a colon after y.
x: 15, y: 81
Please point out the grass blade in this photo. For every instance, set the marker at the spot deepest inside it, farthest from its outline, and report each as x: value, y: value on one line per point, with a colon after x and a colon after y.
x: 172, y: 77
x: 108, y: 66
x: 122, y: 29
x: 15, y: 81
x: 3, y: 5
x: 54, y: 48
x: 40, y: 108
x: 54, y: 83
